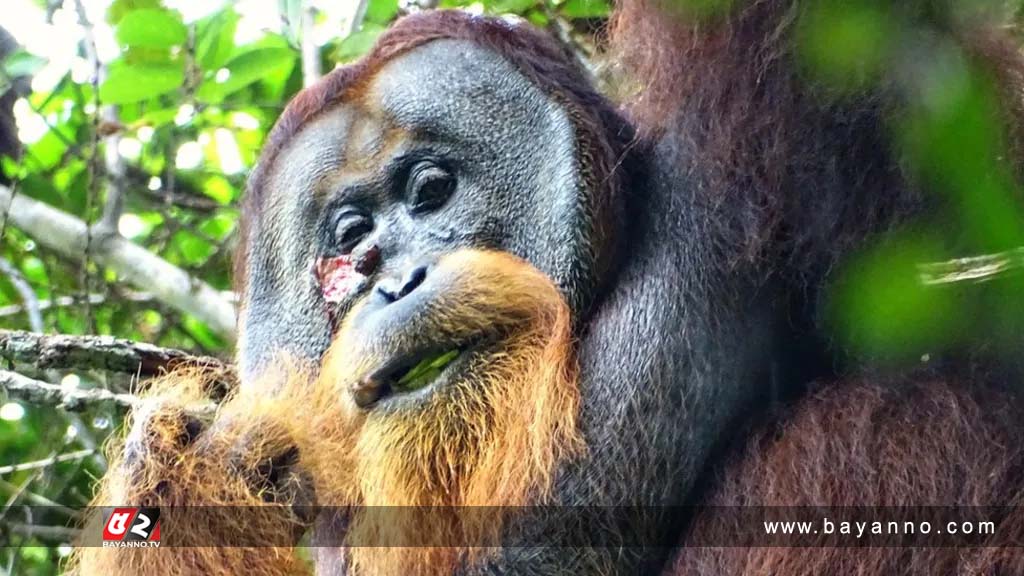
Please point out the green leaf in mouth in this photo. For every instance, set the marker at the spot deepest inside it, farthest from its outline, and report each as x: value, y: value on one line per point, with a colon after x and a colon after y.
x: 426, y: 371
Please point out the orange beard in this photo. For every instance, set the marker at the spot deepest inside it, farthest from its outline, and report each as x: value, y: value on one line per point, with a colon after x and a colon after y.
x: 494, y: 439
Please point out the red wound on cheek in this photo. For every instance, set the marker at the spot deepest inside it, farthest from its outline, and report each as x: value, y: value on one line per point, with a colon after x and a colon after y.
x: 338, y: 277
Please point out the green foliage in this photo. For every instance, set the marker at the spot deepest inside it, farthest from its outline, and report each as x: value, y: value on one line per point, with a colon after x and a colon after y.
x: 246, y: 68
x: 127, y: 83
x: 359, y: 42
x: 193, y: 109
x: 585, y: 9
x: 884, y: 309
x: 151, y: 28
x: 215, y: 39
x: 846, y: 43
x: 949, y: 131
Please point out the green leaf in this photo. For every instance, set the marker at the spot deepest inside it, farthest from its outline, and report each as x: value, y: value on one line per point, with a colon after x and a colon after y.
x: 538, y: 18
x: 359, y: 42
x: 585, y: 9
x: 133, y: 83
x: 202, y: 333
x: 381, y: 11
x: 193, y: 249
x: 12, y: 168
x: 215, y: 39
x: 157, y: 117
x: 511, y: 6
x: 34, y: 270
x: 219, y: 226
x: 220, y: 189
x: 22, y: 63
x: 152, y: 29
x: 42, y: 188
x: 846, y: 44
x: 120, y: 8
x: 145, y: 55
x: 245, y: 69
x: 48, y: 151
x: 426, y: 370
x: 882, y: 307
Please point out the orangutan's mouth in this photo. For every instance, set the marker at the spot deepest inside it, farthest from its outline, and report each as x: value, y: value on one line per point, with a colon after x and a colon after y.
x: 410, y: 378
x: 414, y: 372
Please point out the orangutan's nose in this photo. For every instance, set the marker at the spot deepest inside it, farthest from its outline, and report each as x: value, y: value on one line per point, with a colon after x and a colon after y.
x: 394, y: 288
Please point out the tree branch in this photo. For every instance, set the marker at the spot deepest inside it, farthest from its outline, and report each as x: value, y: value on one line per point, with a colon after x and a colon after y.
x: 311, y: 70
x: 95, y: 298
x: 355, y: 18
x: 63, y: 352
x: 38, y: 500
x: 68, y: 236
x: 34, y: 391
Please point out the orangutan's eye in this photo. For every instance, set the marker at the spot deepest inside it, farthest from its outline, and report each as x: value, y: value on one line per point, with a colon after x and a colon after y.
x: 429, y: 187
x: 349, y: 229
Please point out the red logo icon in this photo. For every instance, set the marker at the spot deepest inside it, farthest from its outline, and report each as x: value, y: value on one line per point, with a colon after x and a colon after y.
x: 136, y: 525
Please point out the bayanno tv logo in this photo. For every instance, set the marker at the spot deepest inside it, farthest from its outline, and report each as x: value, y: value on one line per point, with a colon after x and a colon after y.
x: 132, y: 528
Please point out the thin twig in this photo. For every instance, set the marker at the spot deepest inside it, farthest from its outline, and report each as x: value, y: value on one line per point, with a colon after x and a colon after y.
x: 39, y: 500
x: 50, y: 533
x: 46, y: 462
x: 183, y: 195
x: 18, y: 491
x: 89, y: 44
x: 973, y: 268
x: 95, y: 298
x: 68, y: 301
x: 30, y: 303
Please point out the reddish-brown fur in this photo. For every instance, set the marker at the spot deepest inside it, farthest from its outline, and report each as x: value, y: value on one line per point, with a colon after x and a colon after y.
x: 802, y: 173
x: 803, y: 176
x: 924, y: 441
x: 174, y: 475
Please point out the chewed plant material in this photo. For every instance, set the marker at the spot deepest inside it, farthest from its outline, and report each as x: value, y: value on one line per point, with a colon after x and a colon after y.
x: 338, y: 277
x: 426, y: 371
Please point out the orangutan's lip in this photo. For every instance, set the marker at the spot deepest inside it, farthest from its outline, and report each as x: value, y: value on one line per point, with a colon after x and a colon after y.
x: 415, y: 375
